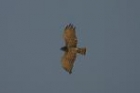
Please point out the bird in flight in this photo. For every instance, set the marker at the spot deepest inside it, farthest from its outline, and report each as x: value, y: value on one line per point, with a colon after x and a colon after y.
x: 70, y: 49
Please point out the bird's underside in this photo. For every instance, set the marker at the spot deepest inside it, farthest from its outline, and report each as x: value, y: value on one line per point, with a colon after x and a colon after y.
x: 70, y: 49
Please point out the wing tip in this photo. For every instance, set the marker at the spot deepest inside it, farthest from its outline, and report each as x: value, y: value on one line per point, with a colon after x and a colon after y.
x: 68, y: 70
x: 70, y: 26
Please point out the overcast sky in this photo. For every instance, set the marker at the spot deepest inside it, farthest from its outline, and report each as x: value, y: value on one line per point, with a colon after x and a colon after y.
x: 31, y: 37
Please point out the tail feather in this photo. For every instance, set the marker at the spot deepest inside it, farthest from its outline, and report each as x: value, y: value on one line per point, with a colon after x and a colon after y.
x: 81, y: 51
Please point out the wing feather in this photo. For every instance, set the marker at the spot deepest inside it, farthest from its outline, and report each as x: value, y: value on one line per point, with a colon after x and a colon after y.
x: 70, y: 36
x: 68, y: 60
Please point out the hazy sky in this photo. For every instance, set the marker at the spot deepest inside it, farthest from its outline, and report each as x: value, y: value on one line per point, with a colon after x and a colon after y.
x: 31, y: 37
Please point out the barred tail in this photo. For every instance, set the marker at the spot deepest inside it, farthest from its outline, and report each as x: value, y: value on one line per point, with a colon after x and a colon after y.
x: 81, y: 51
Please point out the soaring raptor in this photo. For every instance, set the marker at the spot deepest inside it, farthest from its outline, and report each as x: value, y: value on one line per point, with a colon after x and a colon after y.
x: 70, y: 49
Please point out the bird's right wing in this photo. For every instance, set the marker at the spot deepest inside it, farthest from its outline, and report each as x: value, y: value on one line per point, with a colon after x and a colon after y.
x: 68, y: 60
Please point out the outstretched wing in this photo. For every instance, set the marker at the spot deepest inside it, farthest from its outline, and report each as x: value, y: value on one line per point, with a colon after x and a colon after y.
x: 70, y: 36
x: 68, y: 60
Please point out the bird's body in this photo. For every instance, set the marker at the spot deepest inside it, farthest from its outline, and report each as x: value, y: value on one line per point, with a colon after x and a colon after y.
x: 70, y: 48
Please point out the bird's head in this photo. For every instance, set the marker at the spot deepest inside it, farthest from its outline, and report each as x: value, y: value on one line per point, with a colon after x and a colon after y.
x: 63, y: 48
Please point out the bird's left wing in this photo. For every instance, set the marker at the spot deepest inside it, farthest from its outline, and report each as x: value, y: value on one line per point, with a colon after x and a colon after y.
x: 70, y: 36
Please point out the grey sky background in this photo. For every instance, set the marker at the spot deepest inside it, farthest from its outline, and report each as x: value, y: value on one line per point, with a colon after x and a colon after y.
x: 31, y: 37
